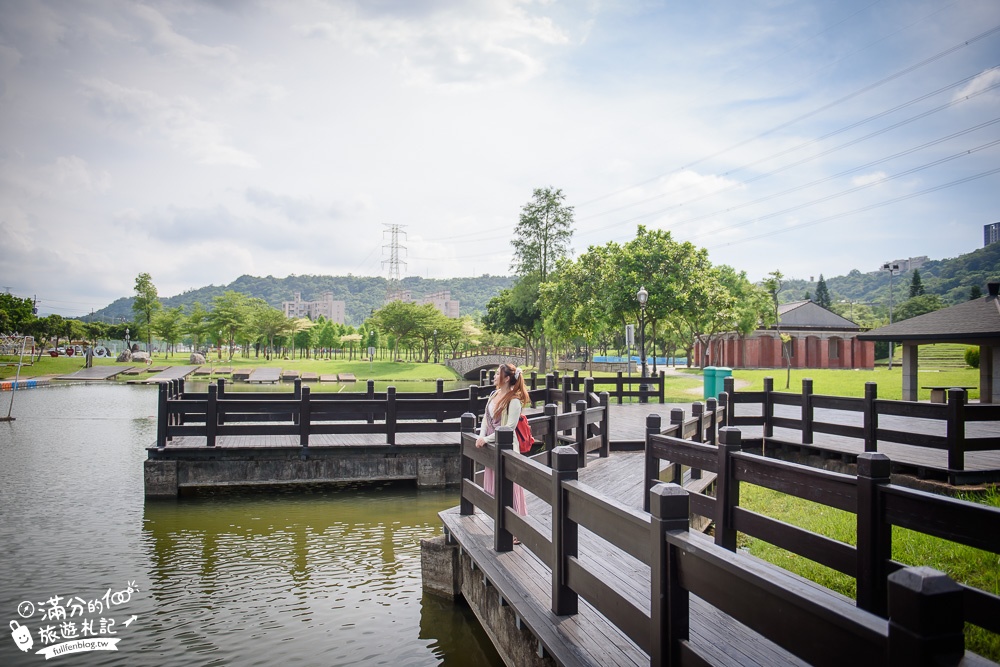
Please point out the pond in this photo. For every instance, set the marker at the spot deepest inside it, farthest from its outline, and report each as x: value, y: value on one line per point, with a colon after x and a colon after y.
x: 322, y: 576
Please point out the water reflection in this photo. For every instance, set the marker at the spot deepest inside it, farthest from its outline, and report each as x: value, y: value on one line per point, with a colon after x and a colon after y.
x: 315, y: 577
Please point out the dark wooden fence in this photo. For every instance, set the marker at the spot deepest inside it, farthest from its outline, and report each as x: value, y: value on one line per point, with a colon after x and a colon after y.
x: 925, y: 612
x: 573, y: 387
x: 877, y: 504
x: 216, y: 413
x: 954, y: 414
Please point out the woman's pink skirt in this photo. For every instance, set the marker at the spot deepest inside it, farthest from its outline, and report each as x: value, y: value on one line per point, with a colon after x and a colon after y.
x: 520, y: 505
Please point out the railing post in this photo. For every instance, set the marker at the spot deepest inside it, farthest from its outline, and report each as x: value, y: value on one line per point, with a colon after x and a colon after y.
x: 297, y: 396
x: 566, y: 405
x: 669, y: 507
x: 712, y: 407
x: 807, y: 411
x: 926, y: 619
x: 221, y: 396
x: 211, y: 415
x: 550, y: 385
x: 956, y: 429
x: 370, y: 395
x: 581, y: 432
x: 727, y: 490
x: 698, y: 412
x: 439, y: 390
x: 588, y: 396
x: 551, y: 411
x: 468, y: 465
x: 676, y: 430
x: 651, y: 464
x: 565, y: 532
x: 305, y: 417
x: 874, y: 535
x: 726, y: 405
x: 534, y: 381
x: 768, y: 407
x: 576, y: 380
x: 503, y: 490
x: 729, y: 384
x: 161, y: 416
x: 663, y: 386
x: 605, y: 425
x: 620, y: 386
x: 870, y: 417
x: 390, y: 415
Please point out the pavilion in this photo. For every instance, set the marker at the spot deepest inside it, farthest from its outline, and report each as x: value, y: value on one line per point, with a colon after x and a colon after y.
x: 975, y: 322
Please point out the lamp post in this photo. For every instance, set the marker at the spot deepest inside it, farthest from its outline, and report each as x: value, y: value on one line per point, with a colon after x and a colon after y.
x: 435, y: 346
x: 893, y: 270
x: 642, y: 296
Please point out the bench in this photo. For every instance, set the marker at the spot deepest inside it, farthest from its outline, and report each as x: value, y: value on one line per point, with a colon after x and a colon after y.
x: 939, y: 394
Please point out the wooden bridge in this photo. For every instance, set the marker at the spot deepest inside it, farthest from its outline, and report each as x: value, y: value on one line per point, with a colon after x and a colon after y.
x: 607, y: 570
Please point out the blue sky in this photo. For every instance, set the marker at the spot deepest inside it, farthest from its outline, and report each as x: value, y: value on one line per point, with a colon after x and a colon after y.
x: 198, y: 141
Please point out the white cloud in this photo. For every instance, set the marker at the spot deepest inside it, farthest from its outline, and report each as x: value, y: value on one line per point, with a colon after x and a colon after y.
x: 988, y: 78
x: 866, y: 179
x: 73, y: 173
x: 178, y: 120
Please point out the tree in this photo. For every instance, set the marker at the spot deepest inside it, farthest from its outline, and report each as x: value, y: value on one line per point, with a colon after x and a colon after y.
x: 197, y: 324
x: 541, y: 238
x: 772, y: 284
x: 169, y: 325
x: 229, y: 316
x: 15, y: 313
x: 916, y: 286
x: 975, y: 293
x: 404, y: 320
x: 516, y: 312
x: 918, y: 305
x: 269, y: 322
x: 822, y: 293
x: 145, y: 305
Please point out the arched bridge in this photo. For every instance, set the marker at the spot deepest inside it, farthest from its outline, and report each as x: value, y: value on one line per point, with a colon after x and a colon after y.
x: 468, y: 366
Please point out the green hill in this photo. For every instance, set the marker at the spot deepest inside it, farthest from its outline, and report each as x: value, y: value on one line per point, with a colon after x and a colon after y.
x: 361, y: 294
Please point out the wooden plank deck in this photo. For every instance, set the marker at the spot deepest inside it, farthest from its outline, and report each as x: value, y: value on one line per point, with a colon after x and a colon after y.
x: 171, y: 373
x: 262, y: 375
x: 96, y: 373
x: 587, y: 638
x: 242, y: 374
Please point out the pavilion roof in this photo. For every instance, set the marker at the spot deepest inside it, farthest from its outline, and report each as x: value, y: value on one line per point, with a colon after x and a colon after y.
x: 973, y: 321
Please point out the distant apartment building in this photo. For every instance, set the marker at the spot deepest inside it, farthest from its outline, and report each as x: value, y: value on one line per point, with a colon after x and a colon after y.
x: 440, y: 300
x: 335, y: 311
x: 991, y: 233
x: 911, y: 263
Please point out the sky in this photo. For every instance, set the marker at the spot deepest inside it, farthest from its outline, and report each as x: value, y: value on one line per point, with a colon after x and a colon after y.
x: 200, y: 141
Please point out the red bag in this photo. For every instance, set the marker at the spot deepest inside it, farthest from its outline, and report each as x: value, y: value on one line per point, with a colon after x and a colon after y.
x: 525, y: 440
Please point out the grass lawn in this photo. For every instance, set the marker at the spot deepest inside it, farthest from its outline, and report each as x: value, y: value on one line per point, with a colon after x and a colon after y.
x: 973, y: 567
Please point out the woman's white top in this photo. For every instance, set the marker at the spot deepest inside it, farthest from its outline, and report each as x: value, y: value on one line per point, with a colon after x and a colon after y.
x: 508, y: 418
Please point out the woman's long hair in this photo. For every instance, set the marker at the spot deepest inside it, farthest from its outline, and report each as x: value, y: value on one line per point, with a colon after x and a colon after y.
x: 514, y: 379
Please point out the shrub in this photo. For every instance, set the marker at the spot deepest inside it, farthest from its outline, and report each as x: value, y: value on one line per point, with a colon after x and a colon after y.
x: 972, y: 357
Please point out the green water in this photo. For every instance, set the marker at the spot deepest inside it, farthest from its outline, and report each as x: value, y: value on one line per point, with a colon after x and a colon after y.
x: 312, y: 577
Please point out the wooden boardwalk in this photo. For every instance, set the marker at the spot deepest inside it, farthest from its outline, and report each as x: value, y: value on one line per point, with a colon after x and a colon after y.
x: 263, y: 375
x: 96, y: 373
x: 171, y: 373
x: 587, y: 638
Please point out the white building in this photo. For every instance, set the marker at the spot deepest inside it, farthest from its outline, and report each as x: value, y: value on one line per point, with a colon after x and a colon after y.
x: 335, y: 311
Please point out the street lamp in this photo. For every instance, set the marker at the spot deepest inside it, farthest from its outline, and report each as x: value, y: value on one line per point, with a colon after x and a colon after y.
x: 642, y: 296
x: 893, y: 270
x: 435, y: 346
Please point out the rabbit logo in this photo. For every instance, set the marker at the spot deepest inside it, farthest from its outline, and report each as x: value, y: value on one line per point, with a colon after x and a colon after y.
x: 21, y: 635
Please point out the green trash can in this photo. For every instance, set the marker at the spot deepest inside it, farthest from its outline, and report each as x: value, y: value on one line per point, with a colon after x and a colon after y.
x: 709, y: 379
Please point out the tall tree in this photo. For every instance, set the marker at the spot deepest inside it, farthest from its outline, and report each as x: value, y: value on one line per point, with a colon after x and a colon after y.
x: 230, y: 314
x: 541, y: 238
x: 822, y: 293
x: 145, y: 306
x: 169, y: 325
x: 197, y: 324
x: 773, y: 285
x: 916, y: 286
x: 15, y: 313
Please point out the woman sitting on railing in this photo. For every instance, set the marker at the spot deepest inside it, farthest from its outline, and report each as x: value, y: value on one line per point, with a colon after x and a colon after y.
x: 504, y: 409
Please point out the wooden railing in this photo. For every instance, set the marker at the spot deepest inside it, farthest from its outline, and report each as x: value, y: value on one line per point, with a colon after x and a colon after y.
x: 877, y: 504
x: 807, y: 621
x: 955, y: 414
x: 301, y: 413
x: 573, y: 387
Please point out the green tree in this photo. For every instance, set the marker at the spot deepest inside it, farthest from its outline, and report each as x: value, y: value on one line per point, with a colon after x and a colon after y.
x: 169, y: 325
x: 916, y: 286
x: 15, y: 313
x: 918, y: 305
x: 541, y: 238
x: 516, y: 312
x: 145, y: 306
x: 404, y: 321
x: 230, y: 315
x: 772, y: 284
x: 197, y: 324
x: 822, y: 293
x: 976, y: 292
